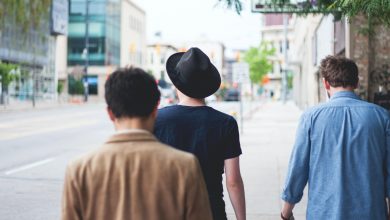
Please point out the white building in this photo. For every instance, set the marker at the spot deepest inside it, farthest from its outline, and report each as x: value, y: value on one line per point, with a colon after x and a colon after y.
x: 316, y: 37
x: 117, y: 38
x: 272, y: 32
x: 213, y: 49
x: 133, y: 35
x: 157, y: 56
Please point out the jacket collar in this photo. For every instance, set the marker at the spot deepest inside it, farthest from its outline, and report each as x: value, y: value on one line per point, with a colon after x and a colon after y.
x: 135, y: 135
x: 344, y: 94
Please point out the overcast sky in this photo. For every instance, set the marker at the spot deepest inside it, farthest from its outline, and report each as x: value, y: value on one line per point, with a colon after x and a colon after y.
x: 191, y: 20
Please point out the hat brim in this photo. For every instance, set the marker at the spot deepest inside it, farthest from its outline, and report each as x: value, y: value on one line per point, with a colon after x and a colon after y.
x: 209, y: 87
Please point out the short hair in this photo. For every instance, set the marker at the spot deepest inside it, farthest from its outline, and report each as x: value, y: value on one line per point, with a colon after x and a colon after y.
x: 339, y: 71
x: 131, y: 92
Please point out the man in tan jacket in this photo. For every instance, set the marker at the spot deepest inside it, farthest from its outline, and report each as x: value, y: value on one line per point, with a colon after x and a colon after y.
x: 133, y: 176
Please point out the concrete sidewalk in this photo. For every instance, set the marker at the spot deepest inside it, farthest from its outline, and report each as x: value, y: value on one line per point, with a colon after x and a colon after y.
x: 267, y: 142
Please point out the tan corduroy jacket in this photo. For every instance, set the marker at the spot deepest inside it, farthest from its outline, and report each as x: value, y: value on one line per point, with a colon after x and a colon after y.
x: 133, y: 176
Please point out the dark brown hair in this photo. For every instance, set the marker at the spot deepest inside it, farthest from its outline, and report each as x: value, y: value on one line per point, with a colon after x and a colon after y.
x: 131, y: 92
x: 339, y: 71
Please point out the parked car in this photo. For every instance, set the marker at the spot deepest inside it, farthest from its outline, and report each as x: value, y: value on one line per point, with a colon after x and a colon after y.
x: 168, y: 97
x: 232, y: 95
x: 211, y: 98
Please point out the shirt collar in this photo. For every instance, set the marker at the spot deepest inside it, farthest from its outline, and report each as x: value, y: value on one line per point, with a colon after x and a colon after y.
x: 344, y: 94
x: 131, y: 135
x: 127, y: 131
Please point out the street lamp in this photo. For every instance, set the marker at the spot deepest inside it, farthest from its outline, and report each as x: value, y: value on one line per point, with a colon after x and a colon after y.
x: 86, y: 51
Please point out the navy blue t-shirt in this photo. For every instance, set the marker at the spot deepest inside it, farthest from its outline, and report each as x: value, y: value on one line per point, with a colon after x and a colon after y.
x: 207, y: 133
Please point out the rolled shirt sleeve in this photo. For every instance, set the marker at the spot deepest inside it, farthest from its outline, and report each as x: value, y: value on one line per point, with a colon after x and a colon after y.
x: 298, y: 171
x: 232, y: 140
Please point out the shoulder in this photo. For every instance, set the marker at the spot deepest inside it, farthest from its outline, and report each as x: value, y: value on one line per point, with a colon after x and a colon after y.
x: 168, y: 109
x: 376, y: 107
x: 171, y: 153
x: 176, y: 160
x: 78, y: 165
x: 168, y: 113
x: 218, y: 115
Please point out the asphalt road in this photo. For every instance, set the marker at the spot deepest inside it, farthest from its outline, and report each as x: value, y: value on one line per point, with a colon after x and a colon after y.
x: 35, y: 147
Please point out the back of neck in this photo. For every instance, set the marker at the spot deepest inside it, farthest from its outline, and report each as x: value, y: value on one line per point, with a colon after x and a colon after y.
x: 192, y: 102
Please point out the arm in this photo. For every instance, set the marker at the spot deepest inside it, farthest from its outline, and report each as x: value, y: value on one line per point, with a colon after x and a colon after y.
x: 298, y: 171
x: 387, y: 167
x: 388, y: 208
x: 197, y: 200
x: 235, y: 187
x: 70, y: 202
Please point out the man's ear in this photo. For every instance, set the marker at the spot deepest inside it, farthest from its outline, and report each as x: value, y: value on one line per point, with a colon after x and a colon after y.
x: 155, y: 110
x: 110, y: 114
x: 326, y: 84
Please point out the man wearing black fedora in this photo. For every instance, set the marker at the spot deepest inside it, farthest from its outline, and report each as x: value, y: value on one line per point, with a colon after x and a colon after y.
x: 209, y: 134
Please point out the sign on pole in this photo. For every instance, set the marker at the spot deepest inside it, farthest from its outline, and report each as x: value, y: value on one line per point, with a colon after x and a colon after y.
x: 241, y: 76
x: 59, y: 17
x: 241, y: 72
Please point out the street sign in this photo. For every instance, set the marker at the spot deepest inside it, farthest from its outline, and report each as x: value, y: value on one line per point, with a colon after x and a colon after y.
x: 59, y: 17
x: 241, y: 72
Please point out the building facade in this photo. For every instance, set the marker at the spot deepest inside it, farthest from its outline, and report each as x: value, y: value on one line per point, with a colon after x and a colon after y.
x: 272, y: 32
x: 318, y: 36
x: 157, y: 56
x: 34, y: 51
x: 117, y: 38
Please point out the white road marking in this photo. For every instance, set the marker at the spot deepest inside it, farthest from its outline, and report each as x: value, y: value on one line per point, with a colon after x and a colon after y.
x: 29, y: 166
x: 45, y: 128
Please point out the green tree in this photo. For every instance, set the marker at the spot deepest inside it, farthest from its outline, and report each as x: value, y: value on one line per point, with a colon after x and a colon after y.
x: 28, y: 14
x: 60, y: 87
x: 7, y: 76
x: 75, y: 86
x: 258, y: 60
x: 236, y: 4
x: 379, y: 10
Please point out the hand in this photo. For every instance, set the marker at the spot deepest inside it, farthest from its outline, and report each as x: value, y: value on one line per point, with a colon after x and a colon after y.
x: 290, y: 216
x: 286, y: 212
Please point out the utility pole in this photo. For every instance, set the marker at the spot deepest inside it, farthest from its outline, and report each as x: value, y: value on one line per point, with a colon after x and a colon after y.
x: 285, y: 63
x: 86, y: 51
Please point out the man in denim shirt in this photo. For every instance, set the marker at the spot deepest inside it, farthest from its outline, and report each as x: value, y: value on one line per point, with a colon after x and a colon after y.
x: 342, y: 150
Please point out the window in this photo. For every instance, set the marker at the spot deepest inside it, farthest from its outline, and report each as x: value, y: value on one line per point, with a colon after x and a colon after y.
x: 162, y: 75
x: 92, y: 84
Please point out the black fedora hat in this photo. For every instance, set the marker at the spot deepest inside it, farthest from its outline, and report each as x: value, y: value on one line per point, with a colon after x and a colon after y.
x: 193, y: 74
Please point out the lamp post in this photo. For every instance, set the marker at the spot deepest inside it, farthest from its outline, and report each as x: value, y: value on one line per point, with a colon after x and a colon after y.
x: 86, y: 51
x: 285, y: 54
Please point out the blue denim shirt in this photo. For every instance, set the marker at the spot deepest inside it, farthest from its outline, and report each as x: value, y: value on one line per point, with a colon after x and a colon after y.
x: 342, y: 151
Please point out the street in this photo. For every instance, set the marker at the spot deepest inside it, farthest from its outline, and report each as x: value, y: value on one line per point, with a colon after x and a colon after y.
x: 36, y: 145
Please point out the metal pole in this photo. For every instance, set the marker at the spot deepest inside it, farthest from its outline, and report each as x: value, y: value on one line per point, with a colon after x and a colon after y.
x: 285, y: 63
x: 241, y: 109
x: 85, y: 80
x: 34, y: 83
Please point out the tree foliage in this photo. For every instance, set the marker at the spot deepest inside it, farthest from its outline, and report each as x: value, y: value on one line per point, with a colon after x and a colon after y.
x: 26, y: 13
x: 236, y: 4
x: 258, y: 60
x: 6, y: 75
x: 75, y: 86
x: 378, y: 10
